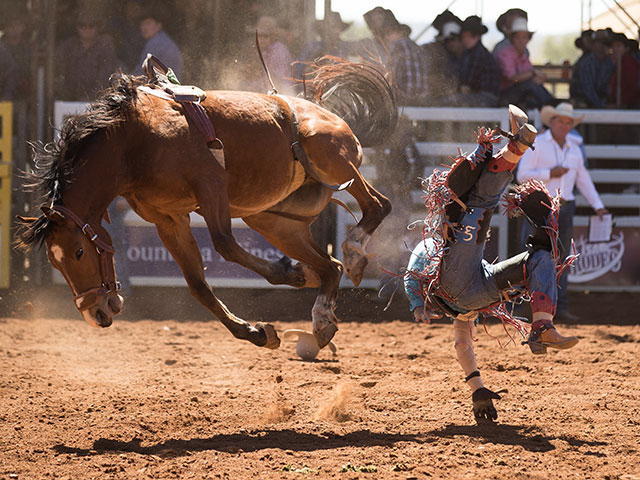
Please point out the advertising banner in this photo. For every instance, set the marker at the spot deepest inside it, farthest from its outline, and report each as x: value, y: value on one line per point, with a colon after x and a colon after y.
x: 612, y: 263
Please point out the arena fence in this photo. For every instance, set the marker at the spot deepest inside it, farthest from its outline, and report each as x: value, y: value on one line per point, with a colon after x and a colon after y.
x: 609, y: 266
x: 606, y: 266
x: 6, y: 160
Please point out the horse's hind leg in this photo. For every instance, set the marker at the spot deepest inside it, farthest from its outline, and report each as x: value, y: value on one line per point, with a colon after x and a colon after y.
x: 293, y: 238
x: 176, y: 234
x: 375, y: 207
x: 337, y: 159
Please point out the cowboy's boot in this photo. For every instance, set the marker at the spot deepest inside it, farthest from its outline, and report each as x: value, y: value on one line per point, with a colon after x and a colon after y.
x: 522, y: 137
x: 544, y: 335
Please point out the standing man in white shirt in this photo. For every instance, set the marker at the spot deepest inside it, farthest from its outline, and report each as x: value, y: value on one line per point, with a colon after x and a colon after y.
x: 558, y: 162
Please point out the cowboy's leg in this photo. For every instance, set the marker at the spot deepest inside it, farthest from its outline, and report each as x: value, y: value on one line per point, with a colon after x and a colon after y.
x: 541, y: 279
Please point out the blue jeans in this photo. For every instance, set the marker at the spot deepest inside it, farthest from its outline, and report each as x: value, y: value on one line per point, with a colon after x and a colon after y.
x: 565, y: 234
x: 467, y: 278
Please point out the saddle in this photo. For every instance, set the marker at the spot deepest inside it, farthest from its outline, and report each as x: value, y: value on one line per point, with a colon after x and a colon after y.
x: 166, y: 86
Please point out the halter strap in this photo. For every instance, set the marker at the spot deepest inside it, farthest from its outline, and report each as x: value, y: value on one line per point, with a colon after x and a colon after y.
x: 91, y: 297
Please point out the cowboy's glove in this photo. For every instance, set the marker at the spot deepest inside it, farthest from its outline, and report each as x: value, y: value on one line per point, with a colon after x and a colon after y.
x: 483, y: 404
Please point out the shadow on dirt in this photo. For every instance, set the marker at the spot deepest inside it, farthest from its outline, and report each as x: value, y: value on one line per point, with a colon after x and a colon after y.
x: 529, y: 438
x: 245, y: 442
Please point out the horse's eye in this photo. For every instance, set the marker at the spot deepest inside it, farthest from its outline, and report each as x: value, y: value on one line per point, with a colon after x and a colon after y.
x: 79, y: 253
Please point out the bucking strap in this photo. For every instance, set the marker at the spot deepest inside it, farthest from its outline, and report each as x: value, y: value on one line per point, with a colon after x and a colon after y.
x: 300, y: 155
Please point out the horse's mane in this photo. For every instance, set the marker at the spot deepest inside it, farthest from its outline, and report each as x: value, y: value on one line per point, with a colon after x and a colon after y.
x: 359, y: 93
x: 55, y: 162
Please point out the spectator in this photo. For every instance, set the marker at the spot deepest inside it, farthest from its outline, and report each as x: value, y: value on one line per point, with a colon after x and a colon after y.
x: 504, y: 24
x: 583, y: 42
x: 591, y: 77
x: 374, y: 19
x: 558, y: 162
x: 127, y: 36
x: 276, y: 56
x: 444, y: 56
x: 158, y: 42
x: 14, y: 42
x: 479, y: 74
x: 85, y: 61
x: 329, y: 43
x: 406, y: 62
x: 520, y: 83
x: 624, y: 89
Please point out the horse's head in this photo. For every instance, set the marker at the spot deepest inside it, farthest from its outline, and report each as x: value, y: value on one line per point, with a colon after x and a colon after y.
x: 86, y: 262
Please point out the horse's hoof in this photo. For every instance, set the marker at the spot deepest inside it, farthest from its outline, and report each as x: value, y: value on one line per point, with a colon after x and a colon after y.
x: 325, y: 334
x: 273, y: 341
x: 356, y: 271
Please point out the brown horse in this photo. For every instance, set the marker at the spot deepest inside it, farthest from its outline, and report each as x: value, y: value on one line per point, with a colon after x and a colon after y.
x: 144, y: 148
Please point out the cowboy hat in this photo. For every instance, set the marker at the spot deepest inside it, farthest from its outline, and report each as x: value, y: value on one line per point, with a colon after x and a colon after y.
x: 583, y: 42
x: 443, y: 19
x: 563, y: 109
x: 520, y: 25
x: 307, y: 346
x: 474, y: 25
x: 333, y: 19
x: 391, y: 24
x: 449, y: 30
x: 507, y: 17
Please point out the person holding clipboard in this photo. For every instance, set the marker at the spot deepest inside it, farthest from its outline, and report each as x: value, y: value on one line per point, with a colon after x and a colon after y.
x: 558, y: 162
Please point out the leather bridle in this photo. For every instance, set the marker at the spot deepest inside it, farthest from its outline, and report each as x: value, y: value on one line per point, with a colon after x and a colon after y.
x: 91, y: 297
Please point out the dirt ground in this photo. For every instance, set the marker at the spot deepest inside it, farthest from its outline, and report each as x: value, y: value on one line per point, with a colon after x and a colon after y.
x: 169, y: 398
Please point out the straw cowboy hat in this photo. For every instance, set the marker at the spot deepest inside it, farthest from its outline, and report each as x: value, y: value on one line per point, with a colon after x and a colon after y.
x: 563, y: 109
x: 520, y: 25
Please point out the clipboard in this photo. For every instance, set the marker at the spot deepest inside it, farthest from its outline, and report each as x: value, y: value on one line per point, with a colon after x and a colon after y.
x: 600, y: 230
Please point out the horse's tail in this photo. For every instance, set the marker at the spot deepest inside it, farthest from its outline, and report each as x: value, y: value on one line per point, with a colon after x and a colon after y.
x: 358, y: 93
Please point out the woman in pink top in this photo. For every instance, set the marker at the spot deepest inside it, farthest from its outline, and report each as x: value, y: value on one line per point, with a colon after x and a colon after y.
x: 520, y: 83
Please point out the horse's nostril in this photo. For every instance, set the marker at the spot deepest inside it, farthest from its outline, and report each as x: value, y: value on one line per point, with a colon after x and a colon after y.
x: 103, y: 320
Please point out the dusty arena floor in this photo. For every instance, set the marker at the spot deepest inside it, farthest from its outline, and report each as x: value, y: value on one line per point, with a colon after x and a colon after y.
x: 184, y: 399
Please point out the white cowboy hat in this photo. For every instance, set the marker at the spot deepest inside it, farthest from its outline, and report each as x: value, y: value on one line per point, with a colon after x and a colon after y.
x: 563, y: 109
x: 520, y: 25
x: 449, y: 30
x: 307, y: 347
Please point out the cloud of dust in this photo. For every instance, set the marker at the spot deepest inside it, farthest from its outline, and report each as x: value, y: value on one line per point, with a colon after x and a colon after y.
x: 337, y: 406
x: 279, y: 410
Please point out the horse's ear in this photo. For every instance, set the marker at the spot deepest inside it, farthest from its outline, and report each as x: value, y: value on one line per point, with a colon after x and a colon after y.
x: 52, y: 214
x: 26, y: 221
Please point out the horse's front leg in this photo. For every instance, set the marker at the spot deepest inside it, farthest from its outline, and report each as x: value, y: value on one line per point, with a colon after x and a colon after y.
x: 213, y: 204
x: 176, y: 235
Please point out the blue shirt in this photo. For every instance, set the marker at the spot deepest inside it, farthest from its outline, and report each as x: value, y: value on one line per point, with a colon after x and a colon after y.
x: 162, y: 47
